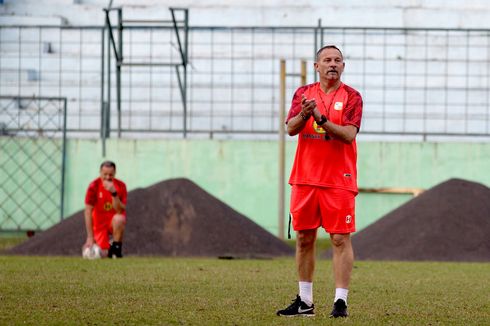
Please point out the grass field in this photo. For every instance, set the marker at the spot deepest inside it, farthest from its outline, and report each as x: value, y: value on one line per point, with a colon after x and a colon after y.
x: 194, y: 291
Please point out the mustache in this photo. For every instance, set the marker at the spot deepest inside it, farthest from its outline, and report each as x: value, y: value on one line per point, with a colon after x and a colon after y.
x: 332, y: 70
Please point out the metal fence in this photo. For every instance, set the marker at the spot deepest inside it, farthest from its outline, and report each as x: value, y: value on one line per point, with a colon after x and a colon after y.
x: 32, y: 162
x: 413, y: 81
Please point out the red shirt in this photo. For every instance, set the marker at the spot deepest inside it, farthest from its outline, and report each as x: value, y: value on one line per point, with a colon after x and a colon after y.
x: 318, y: 161
x: 101, y: 199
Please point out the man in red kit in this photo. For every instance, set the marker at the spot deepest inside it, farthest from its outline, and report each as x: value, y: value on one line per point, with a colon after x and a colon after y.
x: 105, y: 215
x: 326, y: 116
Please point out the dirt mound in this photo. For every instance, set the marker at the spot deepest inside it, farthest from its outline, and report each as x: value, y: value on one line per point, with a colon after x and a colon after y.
x: 171, y: 218
x: 449, y: 222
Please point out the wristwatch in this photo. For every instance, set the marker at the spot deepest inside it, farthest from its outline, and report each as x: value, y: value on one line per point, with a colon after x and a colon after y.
x: 322, y: 120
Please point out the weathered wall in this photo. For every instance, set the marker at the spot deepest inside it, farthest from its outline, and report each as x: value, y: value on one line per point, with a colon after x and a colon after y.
x: 385, y: 13
x: 244, y: 174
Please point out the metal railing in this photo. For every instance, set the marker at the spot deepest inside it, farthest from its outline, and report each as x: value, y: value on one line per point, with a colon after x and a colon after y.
x: 121, y: 62
x: 413, y: 81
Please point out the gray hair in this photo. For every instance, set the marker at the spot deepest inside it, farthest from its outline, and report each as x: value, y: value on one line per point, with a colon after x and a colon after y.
x: 108, y: 164
x: 328, y: 47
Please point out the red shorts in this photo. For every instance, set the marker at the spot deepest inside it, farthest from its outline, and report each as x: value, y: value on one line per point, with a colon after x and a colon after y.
x: 102, y: 232
x: 331, y: 208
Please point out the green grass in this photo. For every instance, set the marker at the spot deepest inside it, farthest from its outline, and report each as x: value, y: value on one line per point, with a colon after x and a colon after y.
x: 185, y: 291
x: 9, y: 240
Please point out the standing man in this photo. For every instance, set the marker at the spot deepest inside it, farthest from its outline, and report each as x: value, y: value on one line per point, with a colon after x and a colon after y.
x: 105, y: 211
x: 327, y: 116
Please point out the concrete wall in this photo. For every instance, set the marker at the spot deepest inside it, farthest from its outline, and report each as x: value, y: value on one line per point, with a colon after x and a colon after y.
x: 244, y: 174
x: 385, y: 13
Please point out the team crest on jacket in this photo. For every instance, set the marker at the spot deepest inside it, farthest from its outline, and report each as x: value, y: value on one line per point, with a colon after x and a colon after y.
x: 338, y: 106
x: 107, y: 206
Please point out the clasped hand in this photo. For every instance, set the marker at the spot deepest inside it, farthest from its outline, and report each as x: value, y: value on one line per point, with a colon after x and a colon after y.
x: 308, y: 107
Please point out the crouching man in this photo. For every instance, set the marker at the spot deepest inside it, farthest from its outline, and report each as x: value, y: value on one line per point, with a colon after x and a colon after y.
x: 105, y: 212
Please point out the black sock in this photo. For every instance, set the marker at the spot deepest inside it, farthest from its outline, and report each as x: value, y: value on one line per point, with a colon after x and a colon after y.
x: 117, y: 248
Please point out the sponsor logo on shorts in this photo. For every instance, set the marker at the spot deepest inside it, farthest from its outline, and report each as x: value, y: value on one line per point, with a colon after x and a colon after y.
x: 348, y: 219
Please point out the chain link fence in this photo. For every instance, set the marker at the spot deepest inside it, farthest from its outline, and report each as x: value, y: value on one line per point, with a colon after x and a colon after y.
x: 413, y: 81
x: 32, y: 162
x: 422, y: 82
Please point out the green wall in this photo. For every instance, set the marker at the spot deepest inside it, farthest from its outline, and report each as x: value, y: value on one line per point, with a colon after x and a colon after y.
x: 243, y: 174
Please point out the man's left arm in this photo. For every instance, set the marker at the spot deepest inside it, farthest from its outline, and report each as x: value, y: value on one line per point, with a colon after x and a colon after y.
x: 118, y: 196
x: 352, y: 121
x: 118, y: 204
x: 122, y: 195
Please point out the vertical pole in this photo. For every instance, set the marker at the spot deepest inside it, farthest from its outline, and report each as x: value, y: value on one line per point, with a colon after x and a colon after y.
x: 303, y: 72
x: 63, y: 164
x: 104, y: 127
x: 317, y: 46
x: 109, y: 86
x: 102, y: 81
x: 118, y: 67
x: 186, y: 58
x: 184, y: 99
x: 186, y: 32
x: 282, y: 147
x: 321, y: 33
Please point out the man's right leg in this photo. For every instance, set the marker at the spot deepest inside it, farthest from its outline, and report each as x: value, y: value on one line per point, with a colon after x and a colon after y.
x: 305, y: 263
x: 306, y: 218
x: 305, y: 255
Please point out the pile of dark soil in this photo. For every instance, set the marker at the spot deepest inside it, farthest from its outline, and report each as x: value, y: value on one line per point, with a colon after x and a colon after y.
x: 449, y: 222
x: 171, y: 218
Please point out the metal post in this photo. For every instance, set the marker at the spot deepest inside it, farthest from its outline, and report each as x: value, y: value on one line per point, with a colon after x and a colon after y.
x: 102, y: 81
x: 63, y: 164
x: 321, y: 33
x: 186, y: 58
x: 303, y: 72
x: 108, y: 107
x: 118, y: 68
x: 186, y: 32
x: 317, y: 46
x: 104, y: 127
x: 282, y: 147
